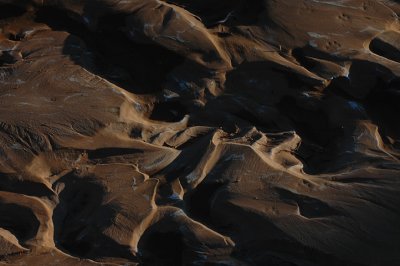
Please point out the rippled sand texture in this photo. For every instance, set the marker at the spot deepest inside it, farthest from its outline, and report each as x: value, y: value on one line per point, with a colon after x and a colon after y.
x: 199, y: 132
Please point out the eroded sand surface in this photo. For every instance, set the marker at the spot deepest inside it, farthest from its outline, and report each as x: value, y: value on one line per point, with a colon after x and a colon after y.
x: 199, y: 132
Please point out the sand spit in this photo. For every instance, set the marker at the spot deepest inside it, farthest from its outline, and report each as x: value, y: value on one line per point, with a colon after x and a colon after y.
x: 199, y: 132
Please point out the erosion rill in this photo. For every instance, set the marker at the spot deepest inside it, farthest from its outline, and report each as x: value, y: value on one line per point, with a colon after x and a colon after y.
x: 199, y: 132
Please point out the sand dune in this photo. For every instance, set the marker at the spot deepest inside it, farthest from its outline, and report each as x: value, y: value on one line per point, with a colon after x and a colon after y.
x: 199, y: 132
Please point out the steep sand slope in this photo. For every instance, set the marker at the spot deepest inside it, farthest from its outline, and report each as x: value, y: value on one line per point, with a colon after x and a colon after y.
x: 199, y: 132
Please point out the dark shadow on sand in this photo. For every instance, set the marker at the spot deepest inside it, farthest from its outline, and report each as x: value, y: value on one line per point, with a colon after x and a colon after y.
x: 110, y: 54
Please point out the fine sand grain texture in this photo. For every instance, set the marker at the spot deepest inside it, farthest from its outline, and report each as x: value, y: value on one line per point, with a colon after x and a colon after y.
x: 199, y: 132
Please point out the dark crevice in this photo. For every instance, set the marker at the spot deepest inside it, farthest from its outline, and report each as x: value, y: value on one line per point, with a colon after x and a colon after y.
x: 233, y: 13
x: 12, y: 183
x: 319, y: 138
x: 309, y: 51
x: 199, y: 200
x: 361, y: 180
x: 80, y: 219
x: 19, y: 220
x: 7, y: 58
x: 276, y: 246
x: 382, y: 106
x: 79, y: 248
x: 74, y: 204
x: 302, y: 58
x: 308, y: 124
x: 385, y: 49
x: 9, y: 11
x: 161, y: 248
x: 60, y: 20
x: 168, y: 112
x: 252, y: 120
x: 109, y: 152
x: 309, y: 207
